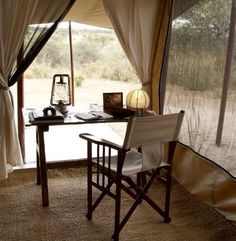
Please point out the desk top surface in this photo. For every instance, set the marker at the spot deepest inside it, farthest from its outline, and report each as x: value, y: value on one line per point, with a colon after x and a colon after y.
x: 69, y: 119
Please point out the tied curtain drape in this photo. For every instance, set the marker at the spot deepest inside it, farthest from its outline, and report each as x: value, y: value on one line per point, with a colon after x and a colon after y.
x: 15, y: 18
x: 141, y: 27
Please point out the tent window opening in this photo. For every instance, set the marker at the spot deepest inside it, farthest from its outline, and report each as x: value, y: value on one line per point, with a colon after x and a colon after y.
x: 199, y: 39
x: 95, y: 50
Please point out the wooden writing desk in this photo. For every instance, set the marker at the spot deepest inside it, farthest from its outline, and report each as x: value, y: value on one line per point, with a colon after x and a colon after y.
x: 43, y: 126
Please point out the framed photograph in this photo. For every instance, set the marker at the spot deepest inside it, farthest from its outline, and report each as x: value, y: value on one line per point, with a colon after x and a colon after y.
x: 112, y: 100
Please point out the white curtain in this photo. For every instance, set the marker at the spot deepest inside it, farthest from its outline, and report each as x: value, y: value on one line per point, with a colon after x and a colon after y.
x: 15, y: 18
x: 141, y: 27
x: 13, y: 25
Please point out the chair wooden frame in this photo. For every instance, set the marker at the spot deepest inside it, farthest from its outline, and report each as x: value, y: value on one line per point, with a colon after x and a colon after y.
x: 101, y: 175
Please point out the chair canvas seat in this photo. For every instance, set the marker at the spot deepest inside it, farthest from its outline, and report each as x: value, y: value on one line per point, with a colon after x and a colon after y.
x: 133, y: 163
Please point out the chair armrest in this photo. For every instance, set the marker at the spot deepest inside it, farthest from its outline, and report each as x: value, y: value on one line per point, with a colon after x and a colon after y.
x: 99, y: 141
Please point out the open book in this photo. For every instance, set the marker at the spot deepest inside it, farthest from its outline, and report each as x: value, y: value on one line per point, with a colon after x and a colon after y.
x: 94, y: 115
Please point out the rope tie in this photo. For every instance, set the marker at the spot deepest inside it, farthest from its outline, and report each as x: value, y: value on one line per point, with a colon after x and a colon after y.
x: 4, y: 88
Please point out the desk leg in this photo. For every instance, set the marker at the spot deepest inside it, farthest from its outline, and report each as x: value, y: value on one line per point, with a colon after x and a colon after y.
x: 42, y: 164
x: 37, y: 158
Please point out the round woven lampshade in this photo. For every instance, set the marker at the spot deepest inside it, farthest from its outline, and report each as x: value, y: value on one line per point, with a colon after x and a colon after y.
x: 137, y: 99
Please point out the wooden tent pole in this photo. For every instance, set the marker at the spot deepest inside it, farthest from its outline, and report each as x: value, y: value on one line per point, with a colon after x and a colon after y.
x: 226, y: 74
x: 71, y: 67
x: 165, y: 65
x: 20, y: 105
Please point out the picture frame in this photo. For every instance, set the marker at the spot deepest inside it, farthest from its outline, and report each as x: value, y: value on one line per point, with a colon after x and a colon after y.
x: 112, y: 100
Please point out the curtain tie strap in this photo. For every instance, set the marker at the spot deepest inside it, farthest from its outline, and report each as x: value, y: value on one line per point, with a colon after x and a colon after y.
x: 4, y: 88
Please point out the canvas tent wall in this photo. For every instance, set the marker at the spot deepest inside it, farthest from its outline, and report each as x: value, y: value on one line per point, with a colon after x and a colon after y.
x: 195, y: 172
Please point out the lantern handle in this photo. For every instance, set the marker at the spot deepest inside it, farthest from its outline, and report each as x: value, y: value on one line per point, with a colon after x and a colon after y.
x: 49, y: 109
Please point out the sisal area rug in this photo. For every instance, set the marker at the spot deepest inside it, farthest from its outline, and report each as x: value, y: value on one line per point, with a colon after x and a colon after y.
x: 24, y: 219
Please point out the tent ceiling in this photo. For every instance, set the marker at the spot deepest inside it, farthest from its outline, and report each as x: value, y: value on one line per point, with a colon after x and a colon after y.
x: 91, y: 12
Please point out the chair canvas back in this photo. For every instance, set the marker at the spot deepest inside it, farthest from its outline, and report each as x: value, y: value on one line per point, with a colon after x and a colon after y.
x: 150, y: 133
